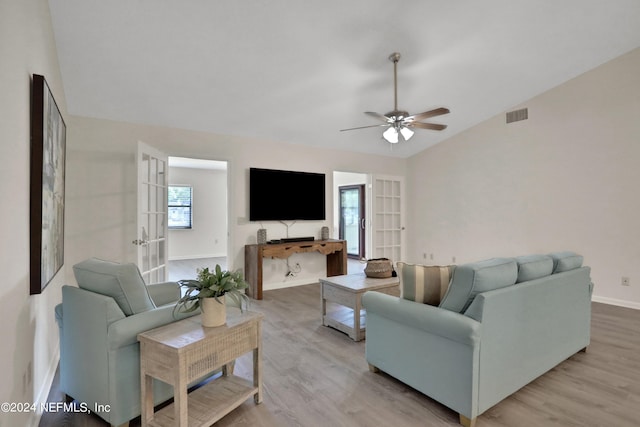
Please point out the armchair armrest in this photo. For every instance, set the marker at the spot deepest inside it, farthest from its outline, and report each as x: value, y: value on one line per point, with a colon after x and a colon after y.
x: 164, y: 293
x: 125, y: 331
x: 434, y: 320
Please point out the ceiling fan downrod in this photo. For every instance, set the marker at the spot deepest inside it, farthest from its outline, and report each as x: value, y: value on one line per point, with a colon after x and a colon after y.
x: 395, y: 57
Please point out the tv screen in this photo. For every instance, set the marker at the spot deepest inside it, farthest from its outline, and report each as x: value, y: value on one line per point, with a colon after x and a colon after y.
x: 277, y: 195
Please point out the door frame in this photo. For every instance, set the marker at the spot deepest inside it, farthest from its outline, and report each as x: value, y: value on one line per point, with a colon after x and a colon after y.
x: 362, y: 218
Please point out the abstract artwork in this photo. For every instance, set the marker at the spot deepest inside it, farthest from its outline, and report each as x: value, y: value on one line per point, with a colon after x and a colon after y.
x: 48, y: 146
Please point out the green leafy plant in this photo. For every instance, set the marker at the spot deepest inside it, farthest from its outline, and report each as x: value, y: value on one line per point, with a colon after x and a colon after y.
x: 213, y: 284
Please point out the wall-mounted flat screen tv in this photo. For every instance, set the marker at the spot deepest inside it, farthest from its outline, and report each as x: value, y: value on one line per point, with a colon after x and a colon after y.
x: 279, y: 195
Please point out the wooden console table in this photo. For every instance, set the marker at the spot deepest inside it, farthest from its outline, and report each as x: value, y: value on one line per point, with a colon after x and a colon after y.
x: 335, y: 250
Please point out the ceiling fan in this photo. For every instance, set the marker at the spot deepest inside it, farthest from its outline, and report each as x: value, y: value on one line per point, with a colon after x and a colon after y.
x: 398, y: 122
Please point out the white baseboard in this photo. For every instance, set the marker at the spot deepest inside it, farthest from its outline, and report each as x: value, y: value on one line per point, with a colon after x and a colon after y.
x: 43, y: 394
x: 200, y: 256
x: 614, y: 301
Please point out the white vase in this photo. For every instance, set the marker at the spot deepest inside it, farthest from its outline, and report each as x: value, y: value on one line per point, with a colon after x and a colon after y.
x: 213, y: 313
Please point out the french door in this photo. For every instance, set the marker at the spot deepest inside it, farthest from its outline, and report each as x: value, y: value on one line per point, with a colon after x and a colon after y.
x: 387, y: 228
x: 151, y: 241
x: 352, y: 219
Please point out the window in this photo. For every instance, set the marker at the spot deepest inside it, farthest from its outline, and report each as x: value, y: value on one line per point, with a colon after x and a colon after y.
x: 180, y: 207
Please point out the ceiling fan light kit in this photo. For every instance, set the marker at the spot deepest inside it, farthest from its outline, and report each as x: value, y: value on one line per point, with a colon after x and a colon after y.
x: 398, y: 122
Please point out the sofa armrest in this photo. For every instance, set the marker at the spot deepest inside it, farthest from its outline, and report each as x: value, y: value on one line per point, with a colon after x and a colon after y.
x: 125, y: 332
x: 164, y: 293
x: 434, y: 320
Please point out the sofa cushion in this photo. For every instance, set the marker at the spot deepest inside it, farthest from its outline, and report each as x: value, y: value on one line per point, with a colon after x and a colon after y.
x: 122, y: 282
x: 565, y: 261
x: 471, y: 279
x: 531, y: 267
x: 424, y: 284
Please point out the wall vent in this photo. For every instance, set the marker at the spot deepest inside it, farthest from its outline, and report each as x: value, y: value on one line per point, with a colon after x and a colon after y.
x: 517, y: 115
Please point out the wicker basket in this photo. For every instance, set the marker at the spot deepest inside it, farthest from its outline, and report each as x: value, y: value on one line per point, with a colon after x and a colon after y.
x: 379, y: 268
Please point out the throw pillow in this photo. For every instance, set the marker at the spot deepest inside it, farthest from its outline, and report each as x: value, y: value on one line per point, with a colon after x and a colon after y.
x: 424, y: 284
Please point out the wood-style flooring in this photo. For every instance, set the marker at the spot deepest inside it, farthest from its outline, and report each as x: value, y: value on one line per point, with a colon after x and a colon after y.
x: 187, y: 268
x: 316, y: 376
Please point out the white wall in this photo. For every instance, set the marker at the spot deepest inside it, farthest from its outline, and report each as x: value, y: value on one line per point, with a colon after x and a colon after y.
x: 566, y: 179
x: 208, y: 237
x: 101, y: 165
x: 29, y: 336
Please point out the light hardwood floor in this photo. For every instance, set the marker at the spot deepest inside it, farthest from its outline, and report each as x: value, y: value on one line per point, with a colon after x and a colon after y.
x: 187, y: 268
x: 316, y: 376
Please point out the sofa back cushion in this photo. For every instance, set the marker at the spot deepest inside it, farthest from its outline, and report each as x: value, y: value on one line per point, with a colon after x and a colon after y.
x: 471, y: 279
x: 424, y: 284
x: 531, y: 267
x: 122, y: 282
x: 565, y: 261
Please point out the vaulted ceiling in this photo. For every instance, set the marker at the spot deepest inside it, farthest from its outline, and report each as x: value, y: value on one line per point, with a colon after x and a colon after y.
x: 299, y: 71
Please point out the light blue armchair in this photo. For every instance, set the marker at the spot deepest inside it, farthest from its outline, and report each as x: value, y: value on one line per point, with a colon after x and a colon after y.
x: 99, y: 322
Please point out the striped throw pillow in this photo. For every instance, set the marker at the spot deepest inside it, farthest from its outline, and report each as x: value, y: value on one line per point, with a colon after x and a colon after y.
x: 424, y: 284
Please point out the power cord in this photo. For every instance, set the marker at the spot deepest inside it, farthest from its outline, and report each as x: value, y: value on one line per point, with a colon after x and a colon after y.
x: 292, y: 271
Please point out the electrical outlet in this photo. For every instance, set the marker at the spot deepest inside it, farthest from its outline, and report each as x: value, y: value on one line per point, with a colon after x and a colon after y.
x: 431, y: 257
x: 625, y: 281
x: 453, y: 259
x: 424, y: 255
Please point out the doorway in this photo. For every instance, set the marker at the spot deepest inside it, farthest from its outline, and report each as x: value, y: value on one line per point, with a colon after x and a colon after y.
x: 352, y: 219
x: 203, y: 240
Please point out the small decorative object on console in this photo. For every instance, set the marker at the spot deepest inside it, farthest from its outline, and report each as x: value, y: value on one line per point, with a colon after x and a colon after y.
x: 324, y: 233
x: 262, y: 236
x: 379, y: 268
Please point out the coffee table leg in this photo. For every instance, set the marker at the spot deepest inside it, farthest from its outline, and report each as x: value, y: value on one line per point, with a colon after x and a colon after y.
x: 356, y: 319
x: 323, y: 303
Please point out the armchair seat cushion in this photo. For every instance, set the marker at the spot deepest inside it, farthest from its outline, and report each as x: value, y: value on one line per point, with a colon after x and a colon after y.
x: 122, y: 282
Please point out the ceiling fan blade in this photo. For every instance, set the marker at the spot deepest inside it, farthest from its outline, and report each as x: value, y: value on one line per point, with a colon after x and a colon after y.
x: 427, y: 114
x: 364, y: 127
x: 432, y: 126
x: 377, y: 116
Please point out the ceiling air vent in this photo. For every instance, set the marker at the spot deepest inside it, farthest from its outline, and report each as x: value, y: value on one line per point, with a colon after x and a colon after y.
x: 517, y: 115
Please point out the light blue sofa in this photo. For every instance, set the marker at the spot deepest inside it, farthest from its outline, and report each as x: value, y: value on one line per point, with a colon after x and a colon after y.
x: 99, y: 323
x: 502, y: 323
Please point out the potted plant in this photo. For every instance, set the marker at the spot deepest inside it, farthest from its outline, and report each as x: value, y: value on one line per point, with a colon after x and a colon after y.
x: 208, y: 293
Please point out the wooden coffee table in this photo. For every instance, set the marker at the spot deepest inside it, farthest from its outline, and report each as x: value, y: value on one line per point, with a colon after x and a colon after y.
x: 184, y: 351
x: 347, y: 291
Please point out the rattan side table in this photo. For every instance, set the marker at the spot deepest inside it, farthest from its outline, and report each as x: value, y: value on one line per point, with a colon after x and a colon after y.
x: 184, y: 351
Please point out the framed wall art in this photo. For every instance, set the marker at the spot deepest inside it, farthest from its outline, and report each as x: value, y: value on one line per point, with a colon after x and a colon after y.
x: 48, y: 147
